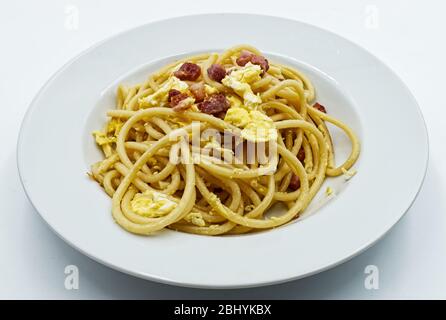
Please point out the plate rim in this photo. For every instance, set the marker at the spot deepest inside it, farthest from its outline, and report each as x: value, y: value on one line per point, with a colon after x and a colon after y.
x: 32, y: 105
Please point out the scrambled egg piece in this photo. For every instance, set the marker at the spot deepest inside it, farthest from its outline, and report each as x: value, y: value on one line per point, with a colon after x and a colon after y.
x: 195, y: 218
x: 114, y: 126
x: 234, y: 101
x: 152, y: 204
x: 240, y: 80
x: 237, y: 116
x: 257, y: 126
x: 260, y: 128
x: 101, y: 138
x: 111, y: 132
x: 159, y: 97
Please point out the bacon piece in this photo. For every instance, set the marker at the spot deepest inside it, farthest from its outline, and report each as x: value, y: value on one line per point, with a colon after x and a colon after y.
x: 188, y: 71
x: 246, y: 56
x: 320, y: 107
x: 216, y: 72
x: 172, y: 93
x: 198, y: 91
x: 221, y: 115
x: 294, y: 183
x: 177, y: 98
x: 301, y: 155
x: 215, y: 104
x: 261, y: 61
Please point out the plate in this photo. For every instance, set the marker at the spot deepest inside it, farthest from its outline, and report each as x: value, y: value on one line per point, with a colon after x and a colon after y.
x: 55, y: 149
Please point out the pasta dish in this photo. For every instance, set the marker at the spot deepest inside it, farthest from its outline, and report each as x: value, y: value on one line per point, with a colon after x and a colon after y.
x: 209, y: 143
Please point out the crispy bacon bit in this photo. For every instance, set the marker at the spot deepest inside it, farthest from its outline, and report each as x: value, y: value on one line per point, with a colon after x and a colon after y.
x: 198, y: 91
x: 172, y: 93
x: 294, y: 183
x: 216, y: 72
x: 301, y: 155
x: 246, y: 56
x: 176, y: 99
x: 188, y: 71
x: 262, y: 62
x: 221, y: 115
x: 215, y: 104
x: 320, y: 107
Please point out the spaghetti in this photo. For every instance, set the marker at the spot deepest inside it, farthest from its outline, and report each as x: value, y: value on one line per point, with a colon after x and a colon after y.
x: 159, y: 177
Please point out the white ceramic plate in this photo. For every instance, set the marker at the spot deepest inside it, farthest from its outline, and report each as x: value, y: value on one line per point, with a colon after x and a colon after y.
x: 55, y: 150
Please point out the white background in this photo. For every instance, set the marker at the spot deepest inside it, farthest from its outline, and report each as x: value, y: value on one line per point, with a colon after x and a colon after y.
x: 37, y: 38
